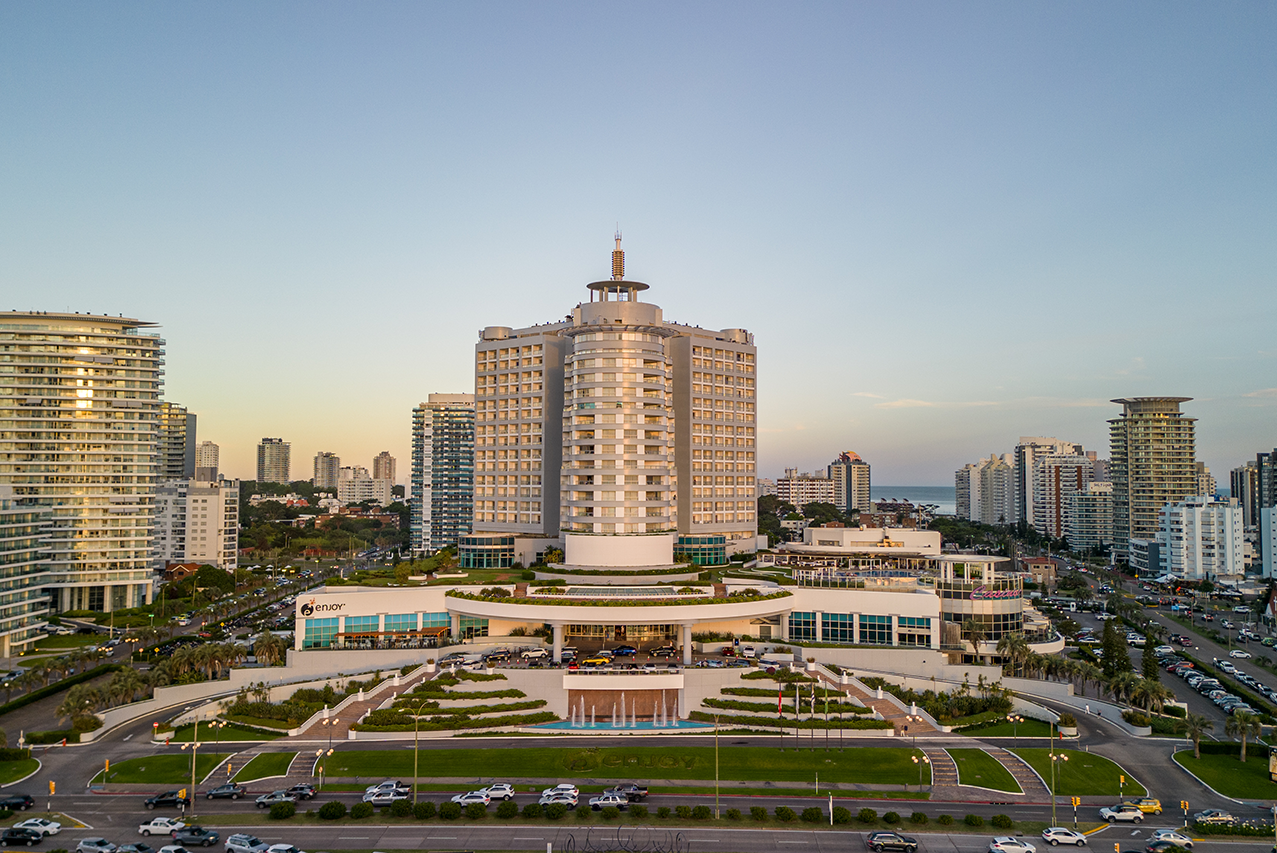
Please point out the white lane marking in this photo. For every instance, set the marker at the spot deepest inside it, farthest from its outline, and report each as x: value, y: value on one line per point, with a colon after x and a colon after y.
x: 441, y: 838
x: 353, y: 837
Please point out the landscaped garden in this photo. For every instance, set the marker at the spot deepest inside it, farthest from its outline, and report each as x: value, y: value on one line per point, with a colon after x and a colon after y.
x: 265, y: 766
x: 1220, y: 768
x: 427, y: 704
x: 172, y: 769
x: 976, y: 767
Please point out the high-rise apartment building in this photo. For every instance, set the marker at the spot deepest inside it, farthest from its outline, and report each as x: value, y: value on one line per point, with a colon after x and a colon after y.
x: 383, y: 466
x: 1090, y: 517
x: 850, y: 475
x: 805, y: 488
x: 207, y: 461
x: 355, y: 486
x: 197, y: 522
x: 327, y: 470
x: 177, y: 442
x: 79, y: 434
x: 1201, y: 537
x: 1268, y: 540
x: 985, y: 490
x: 616, y: 423
x: 273, y: 461
x: 1206, y: 484
x: 1056, y: 478
x: 24, y: 603
x: 1027, y: 452
x: 443, y: 460
x: 1153, y: 463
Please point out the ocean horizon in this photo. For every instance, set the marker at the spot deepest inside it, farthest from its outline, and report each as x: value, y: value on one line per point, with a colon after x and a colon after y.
x: 944, y: 497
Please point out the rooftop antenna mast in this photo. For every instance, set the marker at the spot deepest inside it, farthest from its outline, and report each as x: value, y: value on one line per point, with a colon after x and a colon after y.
x: 618, y: 258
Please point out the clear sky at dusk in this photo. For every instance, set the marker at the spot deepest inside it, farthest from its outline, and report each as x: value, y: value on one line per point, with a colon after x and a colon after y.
x: 947, y: 224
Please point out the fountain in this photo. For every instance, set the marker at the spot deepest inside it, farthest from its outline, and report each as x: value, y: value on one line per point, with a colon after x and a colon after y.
x: 653, y: 715
x: 613, y: 715
x: 665, y: 720
x: 623, y: 714
x: 634, y: 713
x: 582, y: 712
x: 592, y: 724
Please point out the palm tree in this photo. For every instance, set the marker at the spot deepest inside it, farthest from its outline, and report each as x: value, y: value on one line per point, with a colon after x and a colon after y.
x: 269, y: 649
x: 975, y: 633
x: 125, y: 685
x: 1245, y: 725
x: 1123, y: 685
x: 1149, y: 695
x: 1015, y: 648
x: 1196, y: 725
x: 81, y: 701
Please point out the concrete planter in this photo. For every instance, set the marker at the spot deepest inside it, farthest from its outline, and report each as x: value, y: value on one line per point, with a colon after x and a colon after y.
x: 1068, y: 731
x: 811, y: 666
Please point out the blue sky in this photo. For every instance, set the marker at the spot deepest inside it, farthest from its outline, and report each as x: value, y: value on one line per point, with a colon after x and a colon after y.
x: 948, y: 225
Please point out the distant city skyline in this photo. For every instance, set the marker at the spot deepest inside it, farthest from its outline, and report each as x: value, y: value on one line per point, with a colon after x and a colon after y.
x: 946, y: 225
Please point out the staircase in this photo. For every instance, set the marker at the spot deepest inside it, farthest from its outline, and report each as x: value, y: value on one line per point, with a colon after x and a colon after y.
x: 337, y: 725
x: 888, y: 709
x: 944, y: 774
x: 1025, y: 777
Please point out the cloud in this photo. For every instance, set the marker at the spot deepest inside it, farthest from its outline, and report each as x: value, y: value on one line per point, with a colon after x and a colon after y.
x: 1263, y: 392
x: 927, y: 404
x: 867, y: 394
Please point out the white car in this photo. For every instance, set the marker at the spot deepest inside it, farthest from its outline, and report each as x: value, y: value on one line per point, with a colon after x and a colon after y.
x: 1007, y: 844
x: 1122, y: 811
x: 173, y: 848
x: 160, y: 826
x: 1173, y: 836
x: 1239, y: 653
x: 500, y: 791
x: 1057, y: 835
x: 385, y: 798
x: 386, y: 786
x: 1164, y: 650
x: 40, y: 825
x: 466, y: 799
x: 564, y: 788
x: 283, y: 848
x: 568, y: 800
x: 534, y: 654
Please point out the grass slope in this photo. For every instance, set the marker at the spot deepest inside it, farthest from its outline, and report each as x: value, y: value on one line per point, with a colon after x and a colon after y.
x: 231, y: 732
x: 162, y: 769
x: 1219, y: 768
x: 879, y: 765
x: 12, y: 771
x: 265, y: 765
x: 1084, y: 774
x: 1029, y: 728
x: 977, y: 767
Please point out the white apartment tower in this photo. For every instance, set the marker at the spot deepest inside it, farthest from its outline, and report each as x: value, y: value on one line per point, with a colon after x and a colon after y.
x: 1090, y: 517
x: 1027, y: 452
x: 273, y: 461
x: 327, y: 470
x: 1056, y: 478
x: 197, y: 522
x: 1153, y: 464
x: 850, y: 475
x: 207, y: 461
x: 802, y: 489
x: 443, y: 439
x: 79, y: 434
x: 1201, y: 537
x: 618, y: 429
x: 985, y: 490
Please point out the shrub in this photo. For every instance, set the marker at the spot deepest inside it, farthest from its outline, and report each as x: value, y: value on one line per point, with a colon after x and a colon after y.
x: 532, y: 810
x: 1135, y: 718
x: 757, y: 813
x: 423, y: 811
x: 1068, y: 721
x: 842, y: 815
x: 1001, y: 821
x: 583, y: 814
x: 733, y: 814
x: 702, y: 813
x: 891, y: 818
x: 812, y: 815
x: 663, y: 812
x: 945, y: 820
x: 359, y: 811
x: 449, y: 811
x: 611, y: 812
x: 867, y: 816
x: 555, y: 811
x: 508, y: 809
x: 784, y: 814
x: 639, y: 811
x: 973, y: 820
x: 683, y: 812
x: 918, y: 818
x: 282, y: 811
x: 334, y: 810
x: 476, y: 811
x: 401, y: 808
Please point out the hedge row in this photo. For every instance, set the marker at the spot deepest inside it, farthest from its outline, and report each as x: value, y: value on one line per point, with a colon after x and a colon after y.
x: 461, y: 722
x: 628, y: 602
x: 774, y: 722
x: 59, y: 686
x: 804, y: 706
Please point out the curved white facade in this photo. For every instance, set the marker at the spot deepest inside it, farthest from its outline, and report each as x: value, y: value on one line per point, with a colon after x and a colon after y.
x: 653, y: 549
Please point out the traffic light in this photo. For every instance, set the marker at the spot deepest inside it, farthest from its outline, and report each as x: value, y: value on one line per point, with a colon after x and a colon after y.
x: 1077, y: 801
x: 108, y: 766
x: 53, y: 787
x: 1183, y: 804
x: 181, y: 795
x: 1121, y: 780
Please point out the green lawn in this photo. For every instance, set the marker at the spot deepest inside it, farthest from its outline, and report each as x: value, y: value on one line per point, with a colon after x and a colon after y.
x: 880, y: 765
x: 12, y: 771
x: 231, y: 732
x: 56, y: 642
x: 1084, y: 774
x: 265, y: 765
x: 163, y: 769
x: 1029, y: 728
x: 1219, y: 768
x: 977, y: 767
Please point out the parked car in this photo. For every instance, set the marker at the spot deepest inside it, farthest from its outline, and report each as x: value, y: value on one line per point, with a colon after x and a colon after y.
x: 1239, y: 653
x: 283, y: 848
x: 303, y: 791
x: 40, y: 825
x: 385, y: 798
x: 624, y: 651
x: 229, y: 791
x: 879, y: 841
x: 1213, y: 816
x: 1007, y: 844
x: 137, y: 847
x: 17, y: 802
x: 596, y: 661
x: 265, y: 801
x: 196, y: 836
x: 244, y: 843
x: 388, y: 785
x: 568, y: 799
x: 534, y: 654
x: 1148, y: 805
x: 1123, y: 812
x: 562, y: 788
x: 168, y: 798
x: 94, y: 845
x: 602, y: 801
x: 160, y: 826
x: 634, y: 793
x: 13, y: 837
x: 173, y: 848
x: 1057, y: 835
x: 500, y: 791
x: 663, y: 652
x: 1174, y: 836
x: 466, y: 799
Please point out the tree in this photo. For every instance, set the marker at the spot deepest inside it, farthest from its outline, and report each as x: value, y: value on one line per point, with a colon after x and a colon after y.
x: 975, y: 632
x: 80, y: 702
x: 1243, y: 724
x: 1196, y: 725
x: 1148, y: 662
x: 269, y: 649
x: 1116, y: 659
x: 1122, y: 685
x: 1015, y: 648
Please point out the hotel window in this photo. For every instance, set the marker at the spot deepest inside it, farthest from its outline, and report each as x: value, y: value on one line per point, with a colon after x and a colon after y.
x: 837, y: 628
x: 802, y: 626
x: 401, y: 622
x: 436, y: 620
x: 319, y: 633
x: 875, y: 630
x: 913, y: 631
x: 361, y: 624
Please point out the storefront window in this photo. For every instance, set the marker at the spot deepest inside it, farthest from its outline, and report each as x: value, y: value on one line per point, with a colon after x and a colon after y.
x: 802, y: 626
x: 361, y: 624
x: 401, y: 622
x: 436, y: 620
x: 837, y: 627
x: 913, y: 631
x: 319, y: 633
x: 472, y: 626
x: 875, y: 630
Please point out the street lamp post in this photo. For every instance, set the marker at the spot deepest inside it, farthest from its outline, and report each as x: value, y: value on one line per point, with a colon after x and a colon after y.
x: 920, y: 761
x: 321, y: 758
x: 216, y: 726
x: 1015, y: 720
x: 716, y: 814
x: 1055, y: 776
x: 194, y: 745
x: 415, y: 715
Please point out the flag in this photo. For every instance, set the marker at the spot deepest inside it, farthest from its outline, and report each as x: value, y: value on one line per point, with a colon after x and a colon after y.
x: 780, y: 699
